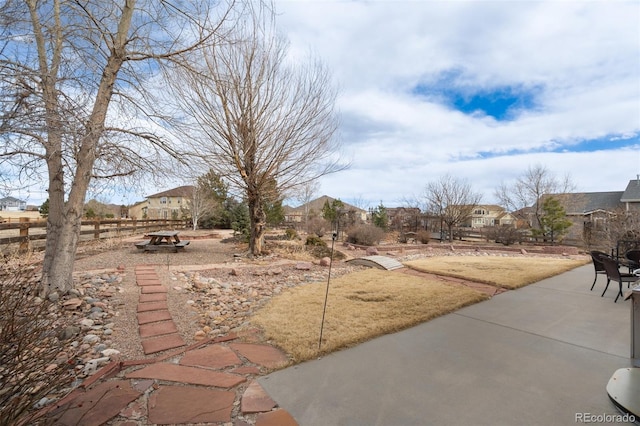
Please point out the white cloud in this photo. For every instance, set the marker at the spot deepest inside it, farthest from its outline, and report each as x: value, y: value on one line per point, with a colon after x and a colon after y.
x: 580, y: 58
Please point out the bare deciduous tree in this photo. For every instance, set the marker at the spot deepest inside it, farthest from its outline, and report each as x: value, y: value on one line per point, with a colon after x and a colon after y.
x: 73, y: 98
x: 304, y: 195
x: 452, y: 199
x: 529, y: 188
x: 258, y: 117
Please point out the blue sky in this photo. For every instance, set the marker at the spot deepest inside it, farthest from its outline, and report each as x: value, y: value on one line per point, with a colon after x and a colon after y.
x: 478, y: 89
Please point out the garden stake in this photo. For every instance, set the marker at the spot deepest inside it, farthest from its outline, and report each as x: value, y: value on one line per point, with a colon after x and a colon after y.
x: 326, y: 295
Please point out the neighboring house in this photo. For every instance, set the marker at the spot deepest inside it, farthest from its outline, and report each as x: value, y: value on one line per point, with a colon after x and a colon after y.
x: 12, y: 204
x: 484, y: 215
x: 163, y: 205
x: 631, y: 196
x: 593, y: 209
x: 314, y: 208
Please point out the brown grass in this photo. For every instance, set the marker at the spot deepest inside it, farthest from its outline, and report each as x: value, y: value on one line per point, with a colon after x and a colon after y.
x: 507, y: 272
x: 360, y: 306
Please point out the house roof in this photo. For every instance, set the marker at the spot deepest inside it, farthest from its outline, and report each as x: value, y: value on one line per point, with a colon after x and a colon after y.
x: 585, y: 202
x: 181, y: 191
x: 318, y: 203
x: 11, y: 200
x: 632, y: 193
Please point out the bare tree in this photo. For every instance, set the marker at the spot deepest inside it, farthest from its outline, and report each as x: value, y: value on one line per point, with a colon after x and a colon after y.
x: 258, y: 117
x: 452, y: 200
x: 529, y: 188
x: 74, y: 103
x: 198, y: 205
x: 304, y: 195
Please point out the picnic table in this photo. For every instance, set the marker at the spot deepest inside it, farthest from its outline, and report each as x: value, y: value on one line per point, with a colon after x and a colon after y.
x: 162, y: 240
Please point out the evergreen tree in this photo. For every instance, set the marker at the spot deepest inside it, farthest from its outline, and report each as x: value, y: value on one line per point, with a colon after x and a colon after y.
x: 44, y: 208
x: 274, y: 212
x: 553, y: 221
x: 379, y: 217
x: 331, y: 211
x: 239, y: 215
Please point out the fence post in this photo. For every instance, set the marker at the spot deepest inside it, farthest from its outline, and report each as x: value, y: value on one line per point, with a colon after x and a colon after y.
x: 96, y: 229
x: 24, y: 233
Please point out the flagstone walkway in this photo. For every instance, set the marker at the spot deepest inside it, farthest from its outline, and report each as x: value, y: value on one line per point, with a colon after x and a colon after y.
x: 211, y: 382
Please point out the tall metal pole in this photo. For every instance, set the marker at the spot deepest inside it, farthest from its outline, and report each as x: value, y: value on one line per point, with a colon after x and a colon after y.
x: 326, y: 295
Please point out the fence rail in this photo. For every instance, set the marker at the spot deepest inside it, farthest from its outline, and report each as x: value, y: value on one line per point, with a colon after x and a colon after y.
x: 28, y: 230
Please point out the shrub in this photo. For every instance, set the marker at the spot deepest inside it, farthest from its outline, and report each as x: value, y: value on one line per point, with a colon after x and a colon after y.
x: 505, y: 234
x: 423, y: 236
x: 314, y: 240
x: 291, y: 234
x: 325, y: 251
x: 318, y: 226
x: 30, y: 367
x: 366, y: 235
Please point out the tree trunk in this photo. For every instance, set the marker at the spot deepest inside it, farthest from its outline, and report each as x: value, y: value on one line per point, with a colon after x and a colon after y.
x: 65, y: 217
x: 258, y: 220
x: 63, y: 232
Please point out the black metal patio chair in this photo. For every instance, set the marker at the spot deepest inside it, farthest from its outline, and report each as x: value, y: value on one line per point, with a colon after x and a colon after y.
x: 633, y: 259
x: 598, y: 266
x: 612, y: 267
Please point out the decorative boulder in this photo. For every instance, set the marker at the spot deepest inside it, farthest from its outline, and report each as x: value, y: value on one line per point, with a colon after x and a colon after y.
x: 372, y: 251
x: 303, y: 266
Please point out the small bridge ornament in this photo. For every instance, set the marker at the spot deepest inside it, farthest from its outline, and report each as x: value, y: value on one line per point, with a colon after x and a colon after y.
x: 380, y: 262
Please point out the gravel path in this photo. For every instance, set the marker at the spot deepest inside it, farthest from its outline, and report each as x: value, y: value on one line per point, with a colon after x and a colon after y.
x: 212, y: 287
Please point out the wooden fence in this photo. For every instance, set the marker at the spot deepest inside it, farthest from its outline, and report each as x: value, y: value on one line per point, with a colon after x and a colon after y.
x: 26, y: 230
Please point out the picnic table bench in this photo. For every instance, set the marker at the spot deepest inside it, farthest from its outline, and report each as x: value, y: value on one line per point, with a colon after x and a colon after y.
x: 162, y: 240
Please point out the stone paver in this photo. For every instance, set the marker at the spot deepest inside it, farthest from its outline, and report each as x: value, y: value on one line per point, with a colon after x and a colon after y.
x: 264, y: 355
x: 186, y: 374
x: 276, y: 418
x: 180, y: 404
x: 153, y: 306
x: 153, y: 316
x: 214, y: 356
x: 148, y: 281
x: 256, y: 400
x: 144, y: 274
x: 152, y: 297
x: 157, y: 329
x: 162, y: 343
x: 97, y: 405
x: 153, y: 289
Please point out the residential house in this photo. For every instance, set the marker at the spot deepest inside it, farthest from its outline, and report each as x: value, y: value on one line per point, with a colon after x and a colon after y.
x: 592, y: 210
x: 163, y: 205
x: 484, y: 215
x: 12, y: 204
x: 296, y: 215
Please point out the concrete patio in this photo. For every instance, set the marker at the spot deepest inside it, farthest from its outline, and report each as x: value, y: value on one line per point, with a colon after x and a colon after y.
x: 540, y: 355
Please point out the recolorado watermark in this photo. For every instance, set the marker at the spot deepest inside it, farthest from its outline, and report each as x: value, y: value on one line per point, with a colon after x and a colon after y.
x: 604, y: 418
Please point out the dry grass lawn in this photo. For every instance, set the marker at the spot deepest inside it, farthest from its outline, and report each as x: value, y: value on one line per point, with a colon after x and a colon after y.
x: 360, y: 306
x: 507, y: 272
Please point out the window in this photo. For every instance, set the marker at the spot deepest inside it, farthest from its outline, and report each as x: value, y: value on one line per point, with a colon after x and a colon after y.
x: 163, y: 200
